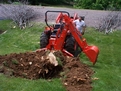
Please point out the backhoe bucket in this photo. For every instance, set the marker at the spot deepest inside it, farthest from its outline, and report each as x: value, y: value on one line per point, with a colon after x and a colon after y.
x: 92, y: 53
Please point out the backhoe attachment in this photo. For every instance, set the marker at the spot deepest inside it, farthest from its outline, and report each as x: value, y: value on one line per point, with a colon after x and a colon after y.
x: 90, y: 51
x: 56, y: 38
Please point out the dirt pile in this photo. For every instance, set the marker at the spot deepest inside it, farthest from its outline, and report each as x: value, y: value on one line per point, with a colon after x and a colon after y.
x: 75, y: 75
x: 78, y: 76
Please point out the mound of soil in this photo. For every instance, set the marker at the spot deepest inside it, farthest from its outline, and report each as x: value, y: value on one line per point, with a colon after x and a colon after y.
x: 78, y: 76
x: 75, y: 75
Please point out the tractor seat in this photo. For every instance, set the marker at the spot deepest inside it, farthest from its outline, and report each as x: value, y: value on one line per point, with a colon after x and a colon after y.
x: 53, y: 35
x: 56, y: 26
x: 55, y: 30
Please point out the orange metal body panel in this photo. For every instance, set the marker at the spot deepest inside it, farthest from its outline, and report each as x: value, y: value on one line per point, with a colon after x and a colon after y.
x: 57, y: 42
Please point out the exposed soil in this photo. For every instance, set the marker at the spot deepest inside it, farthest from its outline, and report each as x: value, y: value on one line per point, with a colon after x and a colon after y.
x: 75, y: 75
x: 78, y: 76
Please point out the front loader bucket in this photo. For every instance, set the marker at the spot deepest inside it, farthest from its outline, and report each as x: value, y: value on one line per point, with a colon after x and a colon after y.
x: 92, y: 53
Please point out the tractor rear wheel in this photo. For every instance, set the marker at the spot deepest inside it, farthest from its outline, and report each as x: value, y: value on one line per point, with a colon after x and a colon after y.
x: 44, y: 39
x: 69, y: 44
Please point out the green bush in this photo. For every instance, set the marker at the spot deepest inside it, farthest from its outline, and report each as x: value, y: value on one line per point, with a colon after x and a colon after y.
x: 98, y: 4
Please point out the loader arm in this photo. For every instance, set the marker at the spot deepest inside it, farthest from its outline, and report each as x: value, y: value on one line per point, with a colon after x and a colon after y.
x: 90, y: 51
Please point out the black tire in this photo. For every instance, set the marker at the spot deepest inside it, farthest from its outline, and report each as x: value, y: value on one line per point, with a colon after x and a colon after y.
x: 44, y: 39
x: 69, y: 44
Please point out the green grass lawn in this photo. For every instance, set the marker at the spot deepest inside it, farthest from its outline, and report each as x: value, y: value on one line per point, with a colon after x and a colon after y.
x: 108, y: 66
x: 107, y: 69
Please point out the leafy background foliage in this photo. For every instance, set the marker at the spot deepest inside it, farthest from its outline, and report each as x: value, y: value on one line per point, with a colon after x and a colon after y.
x: 85, y: 4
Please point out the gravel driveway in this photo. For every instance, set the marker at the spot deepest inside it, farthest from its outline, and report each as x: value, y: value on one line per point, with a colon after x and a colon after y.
x: 92, y: 17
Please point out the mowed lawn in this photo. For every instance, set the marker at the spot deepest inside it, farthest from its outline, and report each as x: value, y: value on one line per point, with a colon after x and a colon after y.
x: 107, y: 76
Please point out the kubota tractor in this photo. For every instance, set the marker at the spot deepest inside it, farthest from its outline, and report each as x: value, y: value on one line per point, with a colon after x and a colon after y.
x: 64, y: 36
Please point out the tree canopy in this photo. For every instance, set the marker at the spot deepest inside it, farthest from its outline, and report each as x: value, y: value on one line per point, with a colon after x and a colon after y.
x: 85, y: 4
x: 98, y: 4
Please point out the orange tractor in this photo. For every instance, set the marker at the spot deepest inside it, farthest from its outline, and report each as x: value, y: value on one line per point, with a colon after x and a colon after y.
x: 64, y: 36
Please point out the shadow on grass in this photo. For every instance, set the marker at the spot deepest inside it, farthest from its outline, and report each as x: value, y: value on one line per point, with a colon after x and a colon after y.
x: 95, y: 66
x: 1, y: 31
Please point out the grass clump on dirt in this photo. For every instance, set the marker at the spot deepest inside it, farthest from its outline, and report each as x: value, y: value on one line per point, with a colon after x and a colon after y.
x: 14, y: 61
